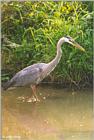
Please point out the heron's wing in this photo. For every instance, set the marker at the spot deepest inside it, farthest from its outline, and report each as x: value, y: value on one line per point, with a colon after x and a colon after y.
x: 29, y: 75
x: 34, y: 66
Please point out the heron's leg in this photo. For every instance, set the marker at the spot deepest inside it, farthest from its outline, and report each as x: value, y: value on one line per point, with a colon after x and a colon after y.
x: 34, y: 92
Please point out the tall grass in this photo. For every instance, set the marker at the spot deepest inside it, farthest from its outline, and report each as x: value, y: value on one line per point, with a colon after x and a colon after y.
x: 31, y: 31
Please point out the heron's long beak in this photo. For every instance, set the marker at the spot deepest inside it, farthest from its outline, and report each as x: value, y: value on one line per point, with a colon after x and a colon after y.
x: 76, y: 45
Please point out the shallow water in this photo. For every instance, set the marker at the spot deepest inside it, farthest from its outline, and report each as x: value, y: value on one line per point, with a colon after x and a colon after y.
x: 62, y: 114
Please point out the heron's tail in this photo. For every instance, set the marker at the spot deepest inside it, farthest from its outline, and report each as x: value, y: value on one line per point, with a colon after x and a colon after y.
x: 7, y: 85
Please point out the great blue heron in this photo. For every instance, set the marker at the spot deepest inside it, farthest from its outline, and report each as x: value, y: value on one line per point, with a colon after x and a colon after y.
x: 34, y: 74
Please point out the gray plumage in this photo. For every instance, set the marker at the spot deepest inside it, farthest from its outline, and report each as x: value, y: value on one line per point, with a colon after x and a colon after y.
x: 30, y: 75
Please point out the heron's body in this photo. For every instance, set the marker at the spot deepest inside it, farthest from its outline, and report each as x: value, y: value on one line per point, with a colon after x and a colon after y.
x: 34, y: 74
x: 30, y: 75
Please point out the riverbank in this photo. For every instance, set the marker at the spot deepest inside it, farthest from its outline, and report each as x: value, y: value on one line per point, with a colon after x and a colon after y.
x: 31, y: 30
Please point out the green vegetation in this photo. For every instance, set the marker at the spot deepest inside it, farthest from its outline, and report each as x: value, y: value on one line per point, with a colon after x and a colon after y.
x: 30, y: 31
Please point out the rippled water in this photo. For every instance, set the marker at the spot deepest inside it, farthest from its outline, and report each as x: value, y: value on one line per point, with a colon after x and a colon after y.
x: 62, y: 114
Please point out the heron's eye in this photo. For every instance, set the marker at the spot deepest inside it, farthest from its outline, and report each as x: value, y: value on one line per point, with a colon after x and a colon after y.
x: 68, y: 37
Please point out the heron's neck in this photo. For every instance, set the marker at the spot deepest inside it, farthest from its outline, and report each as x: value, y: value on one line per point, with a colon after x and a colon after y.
x: 57, y: 58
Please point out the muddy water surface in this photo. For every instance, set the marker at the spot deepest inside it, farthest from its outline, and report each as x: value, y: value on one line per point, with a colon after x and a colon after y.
x: 62, y: 114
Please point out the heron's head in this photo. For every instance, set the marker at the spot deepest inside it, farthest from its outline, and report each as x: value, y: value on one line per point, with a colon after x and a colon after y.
x: 71, y: 41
